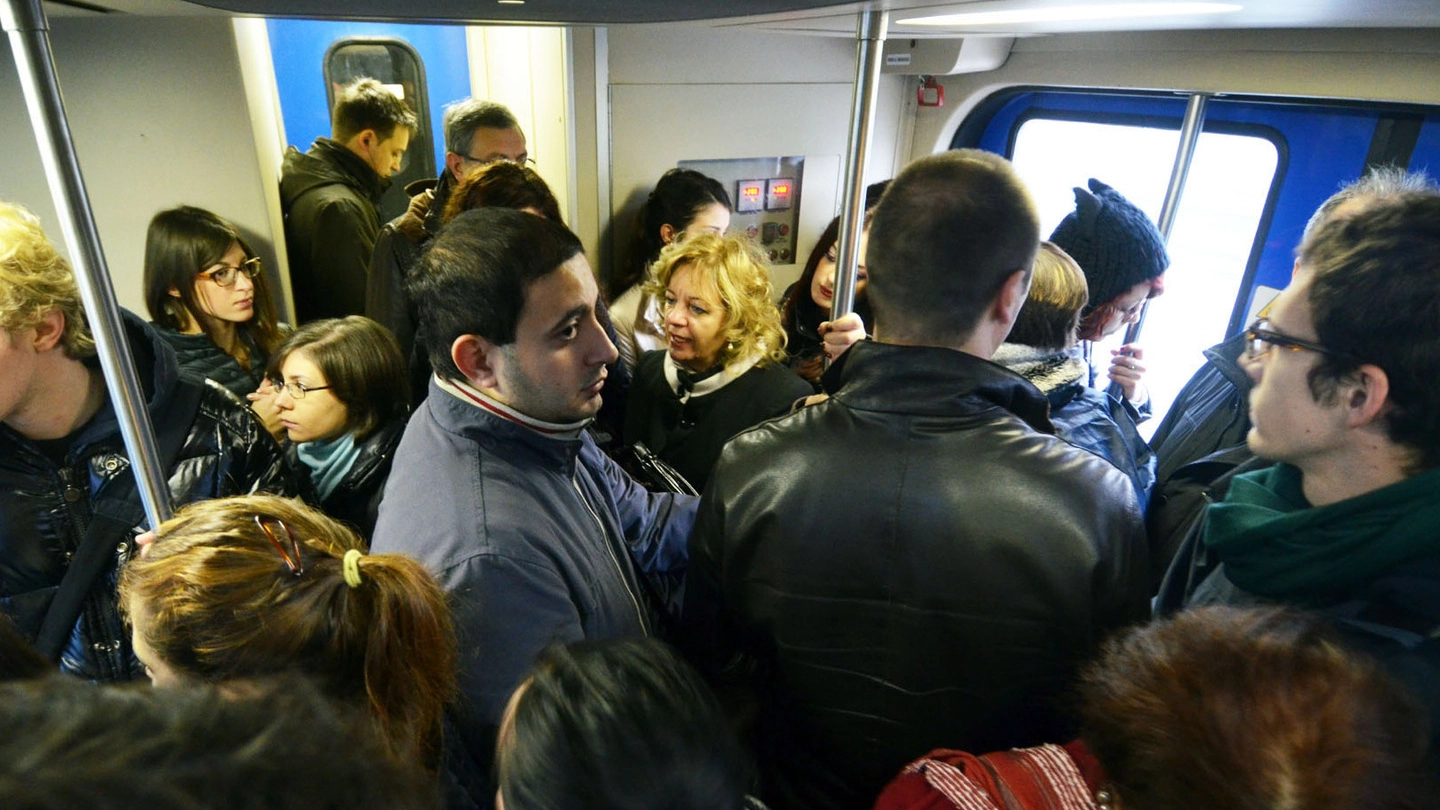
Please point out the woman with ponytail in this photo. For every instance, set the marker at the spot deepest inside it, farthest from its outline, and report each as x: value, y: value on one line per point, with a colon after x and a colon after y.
x: 251, y: 586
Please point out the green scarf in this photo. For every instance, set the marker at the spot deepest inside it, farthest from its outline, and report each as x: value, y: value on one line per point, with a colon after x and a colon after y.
x: 1274, y: 544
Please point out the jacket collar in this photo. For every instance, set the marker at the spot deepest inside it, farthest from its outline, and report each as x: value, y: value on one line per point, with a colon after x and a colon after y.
x: 458, y: 411
x: 929, y: 381
x: 1226, y: 359
x: 350, y: 168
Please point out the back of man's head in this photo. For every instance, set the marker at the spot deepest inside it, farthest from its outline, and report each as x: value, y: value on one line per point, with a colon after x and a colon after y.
x: 1375, y: 299
x: 366, y: 104
x: 72, y: 744
x: 467, y: 115
x: 948, y: 232
x: 473, y: 277
x: 35, y: 280
x: 1377, y: 184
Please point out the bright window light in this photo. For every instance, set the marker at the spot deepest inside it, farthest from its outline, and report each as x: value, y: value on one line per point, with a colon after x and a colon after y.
x: 1224, y: 198
x: 1104, y: 11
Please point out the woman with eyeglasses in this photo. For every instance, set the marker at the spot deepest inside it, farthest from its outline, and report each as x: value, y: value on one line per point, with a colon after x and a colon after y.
x: 206, y: 293
x: 1123, y: 257
x: 234, y: 589
x: 343, y: 399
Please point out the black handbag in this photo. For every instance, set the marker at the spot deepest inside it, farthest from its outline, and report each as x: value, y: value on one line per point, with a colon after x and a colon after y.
x: 653, y: 472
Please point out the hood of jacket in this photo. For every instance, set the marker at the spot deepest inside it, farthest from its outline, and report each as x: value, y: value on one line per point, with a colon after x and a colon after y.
x: 930, y: 381
x: 328, y: 162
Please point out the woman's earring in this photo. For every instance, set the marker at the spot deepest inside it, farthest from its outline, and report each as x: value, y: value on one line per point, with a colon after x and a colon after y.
x: 1105, y: 799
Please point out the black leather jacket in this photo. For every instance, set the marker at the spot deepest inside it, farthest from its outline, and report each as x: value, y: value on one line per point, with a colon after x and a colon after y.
x: 44, y: 509
x: 913, y: 564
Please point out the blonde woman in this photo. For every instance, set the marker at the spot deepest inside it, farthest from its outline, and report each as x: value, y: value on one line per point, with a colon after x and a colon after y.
x: 245, y: 587
x: 724, y: 366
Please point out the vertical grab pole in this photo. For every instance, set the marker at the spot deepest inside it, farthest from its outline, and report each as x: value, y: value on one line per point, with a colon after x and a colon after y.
x: 24, y: 22
x: 870, y: 45
x: 1189, y: 137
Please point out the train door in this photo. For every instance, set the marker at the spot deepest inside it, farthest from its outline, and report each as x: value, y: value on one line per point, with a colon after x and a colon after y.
x: 427, y: 65
x: 1260, y: 169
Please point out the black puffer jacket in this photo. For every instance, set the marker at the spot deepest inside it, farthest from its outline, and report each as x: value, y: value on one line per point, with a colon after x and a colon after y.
x: 44, y: 509
x: 356, y: 500
x: 913, y: 564
x: 200, y: 357
x: 329, y: 196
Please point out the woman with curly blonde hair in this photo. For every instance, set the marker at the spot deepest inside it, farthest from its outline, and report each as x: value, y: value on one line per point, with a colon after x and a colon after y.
x: 724, y: 367
x: 245, y: 587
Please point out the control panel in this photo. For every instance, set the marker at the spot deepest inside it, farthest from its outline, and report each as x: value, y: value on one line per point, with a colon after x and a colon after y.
x: 766, y: 194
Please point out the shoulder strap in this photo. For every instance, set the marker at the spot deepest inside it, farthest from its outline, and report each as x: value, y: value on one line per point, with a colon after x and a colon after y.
x: 105, y: 529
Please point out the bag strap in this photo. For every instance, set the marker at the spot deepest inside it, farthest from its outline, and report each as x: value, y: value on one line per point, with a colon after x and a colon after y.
x: 105, y: 529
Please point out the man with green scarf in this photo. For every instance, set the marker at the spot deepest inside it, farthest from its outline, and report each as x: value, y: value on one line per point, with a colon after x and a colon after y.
x: 1346, y: 402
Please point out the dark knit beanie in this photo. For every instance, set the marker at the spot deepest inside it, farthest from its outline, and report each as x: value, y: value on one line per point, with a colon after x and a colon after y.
x: 1113, y: 242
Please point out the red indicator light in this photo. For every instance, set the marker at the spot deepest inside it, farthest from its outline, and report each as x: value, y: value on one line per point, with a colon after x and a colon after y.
x: 782, y: 189
x: 752, y: 191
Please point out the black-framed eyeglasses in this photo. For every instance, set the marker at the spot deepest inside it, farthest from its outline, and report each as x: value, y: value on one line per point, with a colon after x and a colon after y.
x: 297, y: 391
x: 226, y: 275
x: 525, y: 161
x: 290, y: 555
x: 1260, y: 337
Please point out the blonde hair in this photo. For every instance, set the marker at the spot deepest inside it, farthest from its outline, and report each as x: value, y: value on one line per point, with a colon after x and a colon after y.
x: 1050, y: 318
x: 735, y: 270
x: 36, y: 280
x: 217, y: 600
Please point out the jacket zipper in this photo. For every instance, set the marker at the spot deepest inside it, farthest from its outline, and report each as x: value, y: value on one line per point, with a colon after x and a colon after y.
x: 610, y: 547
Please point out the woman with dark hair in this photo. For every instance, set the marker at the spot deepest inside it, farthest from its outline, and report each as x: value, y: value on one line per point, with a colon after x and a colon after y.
x: 618, y: 725
x: 684, y: 203
x: 1228, y: 708
x: 1215, y: 709
x: 723, y: 370
x: 245, y: 587
x: 206, y: 292
x: 806, y: 304
x: 503, y: 185
x: 343, y: 401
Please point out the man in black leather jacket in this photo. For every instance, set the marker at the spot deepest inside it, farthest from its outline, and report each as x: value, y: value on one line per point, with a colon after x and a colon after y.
x: 917, y: 562
x: 61, y: 452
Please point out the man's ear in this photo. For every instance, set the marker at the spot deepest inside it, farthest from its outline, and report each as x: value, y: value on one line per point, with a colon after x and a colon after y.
x: 49, y: 330
x: 477, y: 359
x: 454, y: 162
x: 1365, y: 394
x: 1011, y: 298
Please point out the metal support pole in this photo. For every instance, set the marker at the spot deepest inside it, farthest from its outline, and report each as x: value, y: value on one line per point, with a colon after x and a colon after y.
x: 24, y: 22
x: 870, y: 46
x: 1189, y: 137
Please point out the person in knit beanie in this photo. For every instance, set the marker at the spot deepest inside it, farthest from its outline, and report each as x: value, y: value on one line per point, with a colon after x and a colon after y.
x: 1123, y: 256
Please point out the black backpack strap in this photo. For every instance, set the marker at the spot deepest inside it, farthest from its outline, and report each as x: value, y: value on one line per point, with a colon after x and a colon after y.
x: 106, y: 529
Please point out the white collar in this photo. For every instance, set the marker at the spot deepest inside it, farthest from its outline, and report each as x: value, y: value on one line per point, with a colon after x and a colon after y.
x: 471, y: 395
x: 710, y: 384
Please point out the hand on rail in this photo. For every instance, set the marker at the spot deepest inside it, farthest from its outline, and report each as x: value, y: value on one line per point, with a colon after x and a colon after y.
x: 1128, y: 371
x: 842, y: 333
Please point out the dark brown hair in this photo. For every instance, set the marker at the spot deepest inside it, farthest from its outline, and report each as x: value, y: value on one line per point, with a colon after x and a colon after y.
x: 362, y: 364
x: 216, y: 601
x: 367, y: 104
x: 1228, y: 708
x: 949, y: 232
x: 503, y: 185
x: 180, y: 244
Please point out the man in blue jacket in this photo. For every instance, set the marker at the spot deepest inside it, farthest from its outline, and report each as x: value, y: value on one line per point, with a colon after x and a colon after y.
x: 537, y: 535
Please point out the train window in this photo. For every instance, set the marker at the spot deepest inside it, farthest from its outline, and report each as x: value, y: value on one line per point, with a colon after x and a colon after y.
x: 1220, y: 212
x: 396, y: 64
